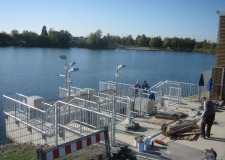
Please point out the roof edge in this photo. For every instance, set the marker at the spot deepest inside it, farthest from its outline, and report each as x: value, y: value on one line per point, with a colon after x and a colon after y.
x: 221, y: 13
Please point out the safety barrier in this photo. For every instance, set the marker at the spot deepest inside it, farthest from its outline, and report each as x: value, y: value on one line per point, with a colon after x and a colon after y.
x: 54, y: 124
x: 75, y: 145
x: 63, y: 92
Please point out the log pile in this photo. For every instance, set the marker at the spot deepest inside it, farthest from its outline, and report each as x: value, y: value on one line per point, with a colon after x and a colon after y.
x: 187, y: 130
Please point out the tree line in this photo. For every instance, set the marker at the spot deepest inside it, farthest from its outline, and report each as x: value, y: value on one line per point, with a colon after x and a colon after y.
x: 95, y: 40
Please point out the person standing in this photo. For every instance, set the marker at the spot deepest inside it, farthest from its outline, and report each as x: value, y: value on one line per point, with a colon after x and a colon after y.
x: 137, y: 86
x: 145, y: 86
x: 207, y: 116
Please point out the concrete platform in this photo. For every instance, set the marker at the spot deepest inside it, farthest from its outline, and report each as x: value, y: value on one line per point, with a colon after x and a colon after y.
x: 175, y: 149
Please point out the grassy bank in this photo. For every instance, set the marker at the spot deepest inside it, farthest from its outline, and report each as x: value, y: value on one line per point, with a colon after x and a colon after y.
x: 15, y: 151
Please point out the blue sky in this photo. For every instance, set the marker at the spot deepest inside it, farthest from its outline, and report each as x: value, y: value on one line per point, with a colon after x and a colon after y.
x: 166, y: 18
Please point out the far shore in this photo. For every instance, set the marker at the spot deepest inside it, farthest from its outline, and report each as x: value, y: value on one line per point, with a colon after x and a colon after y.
x: 158, y: 49
x: 145, y: 49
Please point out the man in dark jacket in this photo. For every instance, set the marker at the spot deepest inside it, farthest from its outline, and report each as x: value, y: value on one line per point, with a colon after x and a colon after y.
x: 137, y: 86
x: 145, y: 85
x: 208, y: 117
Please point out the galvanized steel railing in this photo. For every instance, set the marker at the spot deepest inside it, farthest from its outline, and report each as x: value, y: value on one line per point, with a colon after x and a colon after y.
x: 55, y: 124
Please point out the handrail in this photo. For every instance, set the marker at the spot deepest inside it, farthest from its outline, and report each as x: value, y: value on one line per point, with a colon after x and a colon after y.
x: 24, y: 104
x: 25, y: 123
x: 84, y: 109
x: 22, y: 95
x: 181, y: 82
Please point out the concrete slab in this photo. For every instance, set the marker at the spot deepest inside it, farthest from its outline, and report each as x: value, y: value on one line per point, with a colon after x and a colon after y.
x: 149, y: 127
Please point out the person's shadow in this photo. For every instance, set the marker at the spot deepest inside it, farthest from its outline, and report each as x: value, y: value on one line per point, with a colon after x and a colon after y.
x: 216, y: 139
x: 155, y: 150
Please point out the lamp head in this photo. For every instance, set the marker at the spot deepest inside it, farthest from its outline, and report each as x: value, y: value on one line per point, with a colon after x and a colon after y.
x: 73, y: 69
x: 61, y: 75
x: 62, y: 56
x: 72, y: 64
x: 121, y: 66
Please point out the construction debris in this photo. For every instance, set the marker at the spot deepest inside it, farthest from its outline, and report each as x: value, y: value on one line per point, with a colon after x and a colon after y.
x: 159, y: 142
x: 132, y: 125
x: 171, y: 115
x: 119, y: 152
x: 187, y: 130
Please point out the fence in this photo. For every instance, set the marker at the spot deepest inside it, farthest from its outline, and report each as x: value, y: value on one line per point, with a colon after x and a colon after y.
x: 188, y: 90
x: 171, y: 90
x: 75, y: 145
x: 53, y: 124
x: 102, y: 102
x: 123, y: 89
x: 63, y: 92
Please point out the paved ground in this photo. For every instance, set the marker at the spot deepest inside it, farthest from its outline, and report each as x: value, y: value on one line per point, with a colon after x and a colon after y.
x: 175, y: 149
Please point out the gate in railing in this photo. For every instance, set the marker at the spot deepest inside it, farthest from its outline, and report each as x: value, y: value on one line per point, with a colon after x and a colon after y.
x: 76, y: 145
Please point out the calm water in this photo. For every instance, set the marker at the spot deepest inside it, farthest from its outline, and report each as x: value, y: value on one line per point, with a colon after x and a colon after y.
x: 33, y: 71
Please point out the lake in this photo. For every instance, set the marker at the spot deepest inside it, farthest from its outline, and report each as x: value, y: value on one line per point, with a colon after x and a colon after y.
x: 33, y: 71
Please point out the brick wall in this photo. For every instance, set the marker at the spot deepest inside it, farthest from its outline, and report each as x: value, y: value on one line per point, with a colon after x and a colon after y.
x: 218, y: 91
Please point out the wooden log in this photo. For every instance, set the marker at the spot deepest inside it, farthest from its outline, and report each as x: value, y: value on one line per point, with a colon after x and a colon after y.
x: 187, y: 133
x: 183, y: 125
x: 166, y: 117
x: 192, y: 137
x: 197, y: 129
x: 186, y: 128
x: 183, y: 137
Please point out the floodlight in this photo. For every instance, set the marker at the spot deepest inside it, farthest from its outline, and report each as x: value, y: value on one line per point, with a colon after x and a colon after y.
x: 73, y: 69
x: 63, y: 56
x: 72, y: 64
x: 121, y: 66
x: 61, y: 75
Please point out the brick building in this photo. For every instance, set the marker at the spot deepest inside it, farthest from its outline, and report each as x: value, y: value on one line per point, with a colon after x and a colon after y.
x: 218, y: 72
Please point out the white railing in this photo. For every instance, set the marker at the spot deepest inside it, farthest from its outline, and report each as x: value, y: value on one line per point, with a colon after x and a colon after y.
x: 53, y: 125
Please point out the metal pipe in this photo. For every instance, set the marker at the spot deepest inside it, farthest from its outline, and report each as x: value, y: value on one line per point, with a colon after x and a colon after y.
x: 56, y: 125
x: 25, y: 123
x: 23, y: 103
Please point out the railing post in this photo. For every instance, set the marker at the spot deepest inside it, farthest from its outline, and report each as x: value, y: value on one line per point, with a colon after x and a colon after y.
x: 15, y: 107
x: 190, y: 92
x: 56, y: 124
x: 81, y: 117
x: 98, y: 121
x: 113, y: 120
x: 107, y: 143
x: 128, y: 108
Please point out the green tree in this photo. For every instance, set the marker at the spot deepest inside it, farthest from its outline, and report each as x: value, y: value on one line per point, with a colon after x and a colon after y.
x: 94, y: 39
x: 43, y: 41
x: 5, y: 39
x: 16, y: 37
x: 60, y: 39
x: 44, y: 31
x: 166, y: 42
x: 174, y: 43
x: 156, y: 42
x: 29, y: 39
x: 142, y: 41
x: 128, y: 41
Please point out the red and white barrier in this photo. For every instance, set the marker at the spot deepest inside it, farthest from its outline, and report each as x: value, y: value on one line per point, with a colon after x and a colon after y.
x: 73, y: 146
x: 100, y: 157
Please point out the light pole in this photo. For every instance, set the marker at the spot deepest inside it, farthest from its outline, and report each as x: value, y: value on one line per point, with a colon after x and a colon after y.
x: 68, y: 68
x: 64, y: 57
x: 69, y: 81
x: 114, y: 104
